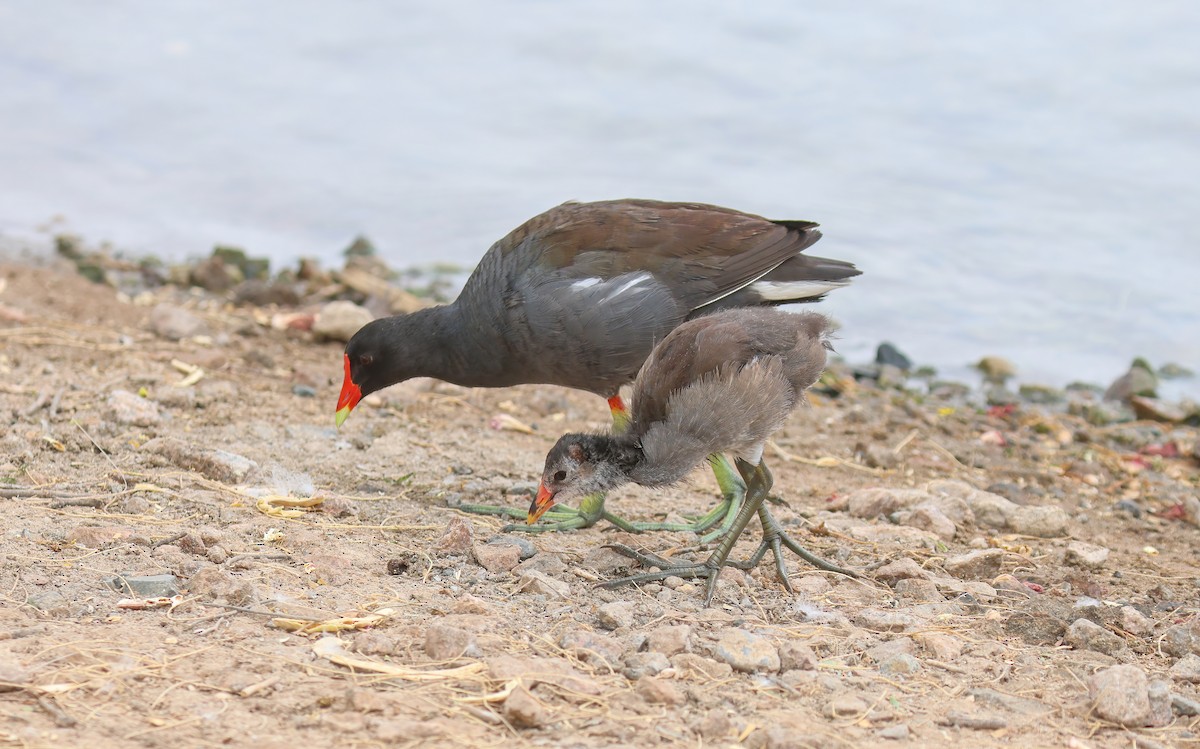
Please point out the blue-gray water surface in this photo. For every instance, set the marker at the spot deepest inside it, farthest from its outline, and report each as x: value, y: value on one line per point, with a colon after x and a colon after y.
x: 1014, y: 178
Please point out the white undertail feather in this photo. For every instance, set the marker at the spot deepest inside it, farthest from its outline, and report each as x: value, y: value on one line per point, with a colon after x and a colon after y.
x: 782, y: 291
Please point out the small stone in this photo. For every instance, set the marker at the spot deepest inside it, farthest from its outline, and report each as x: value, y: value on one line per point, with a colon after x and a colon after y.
x: 746, y: 651
x: 846, y: 705
x: 884, y: 620
x: 884, y: 650
x: 983, y: 564
x: 1153, y: 409
x: 1159, y: 694
x: 595, y: 648
x: 522, y: 710
x: 496, y: 558
x: 996, y: 369
x: 218, y: 465
x: 715, y: 727
x: 1010, y: 584
x: 638, y: 665
x: 656, y: 691
x: 549, y: 563
x: 939, y: 645
x: 99, y: 536
x: 1187, y: 669
x: 887, y: 353
x: 918, y: 591
x: 539, y: 583
x: 1135, y: 622
x: 524, y: 545
x: 932, y: 519
x: 1012, y: 702
x: 1119, y: 694
x: 898, y: 732
x: 175, y: 323
x: 1139, y: 380
x: 444, y: 642
x: 700, y: 667
x: 457, y: 538
x: 1183, y: 706
x: 1084, y: 634
x: 340, y: 320
x: 1181, y: 639
x: 1044, y: 521
x: 217, y: 585
x: 215, y: 275
x: 794, y: 655
x: 1039, y: 621
x: 616, y: 614
x: 900, y: 569
x: 899, y: 665
x: 125, y: 407
x: 1088, y: 556
x: 145, y: 586
x: 669, y: 640
x: 1041, y: 394
x: 12, y: 674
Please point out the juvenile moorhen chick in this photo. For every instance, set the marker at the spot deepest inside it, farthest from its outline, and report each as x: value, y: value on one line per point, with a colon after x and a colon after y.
x: 579, y: 295
x: 720, y: 383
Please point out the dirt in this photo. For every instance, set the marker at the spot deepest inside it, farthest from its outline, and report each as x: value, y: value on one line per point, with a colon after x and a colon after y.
x: 186, y: 478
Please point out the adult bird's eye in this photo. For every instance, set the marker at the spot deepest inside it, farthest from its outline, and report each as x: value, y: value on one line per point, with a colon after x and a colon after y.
x: 560, y: 475
x: 366, y: 360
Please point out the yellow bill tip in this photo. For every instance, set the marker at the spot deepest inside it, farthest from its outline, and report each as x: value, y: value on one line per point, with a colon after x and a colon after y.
x: 340, y: 417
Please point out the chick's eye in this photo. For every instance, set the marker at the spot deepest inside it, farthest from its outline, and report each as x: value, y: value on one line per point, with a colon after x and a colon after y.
x: 560, y: 475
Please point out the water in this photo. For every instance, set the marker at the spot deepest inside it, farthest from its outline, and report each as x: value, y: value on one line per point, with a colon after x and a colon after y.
x: 1014, y: 179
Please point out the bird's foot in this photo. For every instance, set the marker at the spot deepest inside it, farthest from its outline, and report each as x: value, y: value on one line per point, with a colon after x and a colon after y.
x: 561, y: 518
x: 709, y: 569
x: 776, y: 539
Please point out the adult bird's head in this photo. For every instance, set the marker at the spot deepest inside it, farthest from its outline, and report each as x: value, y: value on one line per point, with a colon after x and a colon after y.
x: 370, y: 365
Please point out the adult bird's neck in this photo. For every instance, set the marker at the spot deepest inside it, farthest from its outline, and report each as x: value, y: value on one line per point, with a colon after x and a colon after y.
x: 440, y: 342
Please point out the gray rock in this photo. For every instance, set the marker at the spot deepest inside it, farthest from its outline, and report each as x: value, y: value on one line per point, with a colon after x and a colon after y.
x: 929, y: 517
x: 795, y: 655
x: 445, y: 642
x: 638, y: 665
x: 1119, y: 694
x: 218, y: 465
x: 746, y: 651
x: 877, y: 502
x: 1020, y: 705
x: 1153, y: 409
x: 1088, y: 556
x: 1187, y: 669
x: 175, y: 323
x: 593, y: 647
x: 669, y: 640
x: 846, y: 705
x: 217, y: 585
x: 996, y: 369
x: 125, y: 407
x: 898, y: 732
x: 939, y: 645
x: 884, y: 620
x: 1181, y: 639
x: 887, y: 353
x: 1183, y: 706
x: 900, y: 569
x: 51, y: 602
x: 983, y: 564
x: 616, y: 614
x: 1159, y: 694
x: 526, y: 547
x: 1139, y: 380
x: 496, y: 558
x: 884, y: 650
x: 1045, y: 521
x: 537, y: 582
x: 918, y: 591
x: 1039, y: 621
x: 900, y: 664
x: 1084, y: 634
x: 655, y: 691
x: 340, y: 320
x: 1135, y: 622
x: 145, y: 586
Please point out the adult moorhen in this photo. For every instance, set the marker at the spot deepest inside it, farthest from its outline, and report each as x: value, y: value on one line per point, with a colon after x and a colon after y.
x: 720, y: 383
x: 579, y: 295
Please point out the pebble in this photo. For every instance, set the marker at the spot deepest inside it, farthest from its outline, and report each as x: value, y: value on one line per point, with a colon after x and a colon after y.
x: 538, y: 582
x: 444, y: 642
x: 899, y: 664
x: 669, y: 640
x: 217, y: 585
x: 215, y: 275
x: 340, y: 320
x: 939, y: 645
x: 884, y: 620
x: 930, y: 518
x: 12, y: 674
x: 900, y: 569
x: 794, y: 655
x: 846, y: 705
x: 522, y: 710
x: 918, y: 591
x: 887, y: 649
x: 1084, y: 634
x: 1180, y: 639
x: 218, y: 465
x: 996, y: 369
x: 125, y: 407
x: 656, y: 691
x: 898, y: 732
x: 99, y: 536
x: 1119, y: 694
x: 1184, y: 706
x: 593, y: 647
x: 616, y: 614
x: 1153, y: 409
x: 638, y: 665
x: 1187, y: 669
x: 746, y: 651
x: 496, y: 558
x: 304, y: 391
x: 887, y: 353
x: 1010, y: 584
x: 983, y: 564
x: 1139, y: 380
x: 146, y: 586
x: 1135, y: 622
x: 175, y: 323
x: 1012, y: 702
x: 1088, y: 556
x: 1044, y: 521
x: 457, y: 538
x: 524, y: 545
x: 1039, y: 621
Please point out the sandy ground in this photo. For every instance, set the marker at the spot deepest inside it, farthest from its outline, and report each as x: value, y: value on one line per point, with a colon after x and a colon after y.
x: 979, y: 621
